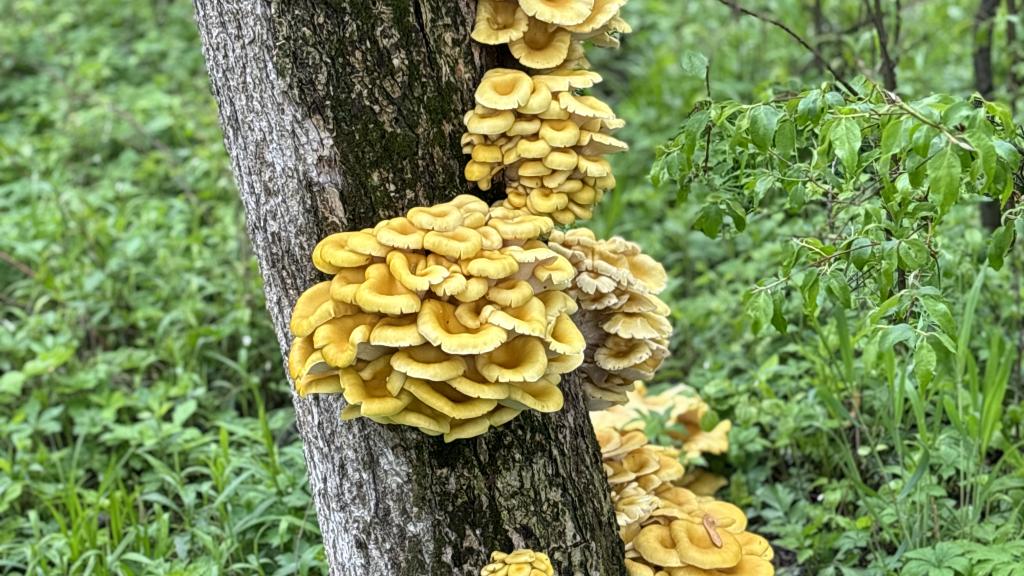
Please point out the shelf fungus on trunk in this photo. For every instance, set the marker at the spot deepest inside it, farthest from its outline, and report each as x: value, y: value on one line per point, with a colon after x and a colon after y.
x: 669, y: 530
x: 519, y: 563
x: 625, y: 324
x: 681, y: 410
x: 547, y: 34
x: 547, y: 142
x: 451, y: 319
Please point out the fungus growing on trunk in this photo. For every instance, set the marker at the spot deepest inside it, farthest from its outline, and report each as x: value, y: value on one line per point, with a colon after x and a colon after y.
x: 519, y: 563
x: 669, y: 529
x: 682, y: 411
x: 625, y: 323
x: 451, y: 319
x: 547, y: 143
x: 545, y: 34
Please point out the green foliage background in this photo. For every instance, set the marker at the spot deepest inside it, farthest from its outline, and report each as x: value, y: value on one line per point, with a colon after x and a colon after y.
x: 145, y: 424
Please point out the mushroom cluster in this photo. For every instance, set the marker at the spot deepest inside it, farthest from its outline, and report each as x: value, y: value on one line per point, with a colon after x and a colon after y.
x: 669, y: 530
x: 636, y: 470
x: 546, y: 141
x: 451, y: 319
x: 625, y: 323
x: 545, y: 34
x: 519, y: 563
x: 681, y: 411
x: 694, y: 536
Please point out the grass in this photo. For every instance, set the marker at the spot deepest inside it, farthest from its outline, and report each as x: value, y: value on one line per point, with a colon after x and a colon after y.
x: 145, y: 423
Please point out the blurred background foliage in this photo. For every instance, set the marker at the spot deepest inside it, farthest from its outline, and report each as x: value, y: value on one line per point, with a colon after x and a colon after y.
x: 145, y: 423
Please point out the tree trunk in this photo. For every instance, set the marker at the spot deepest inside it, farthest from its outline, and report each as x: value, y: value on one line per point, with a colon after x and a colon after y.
x: 336, y: 114
x: 989, y: 211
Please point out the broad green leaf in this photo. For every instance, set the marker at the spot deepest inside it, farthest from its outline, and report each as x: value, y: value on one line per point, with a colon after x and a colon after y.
x: 924, y: 361
x: 913, y: 254
x: 763, y: 121
x: 893, y: 335
x: 694, y: 63
x: 759, y: 309
x: 944, y: 178
x: 709, y: 221
x: 999, y: 245
x: 785, y: 137
x: 846, y: 139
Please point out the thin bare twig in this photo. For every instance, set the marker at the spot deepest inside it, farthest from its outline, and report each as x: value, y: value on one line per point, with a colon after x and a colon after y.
x: 821, y: 59
x: 888, y: 63
x: 17, y: 264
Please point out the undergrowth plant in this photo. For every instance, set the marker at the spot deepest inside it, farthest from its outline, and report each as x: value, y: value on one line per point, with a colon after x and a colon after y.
x: 882, y: 298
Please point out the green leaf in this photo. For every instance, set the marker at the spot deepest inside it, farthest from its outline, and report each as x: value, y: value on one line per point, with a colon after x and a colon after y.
x: 709, y: 221
x: 785, y: 137
x: 759, y: 309
x: 987, y: 157
x: 924, y: 362
x: 939, y: 312
x: 694, y: 63
x: 860, y: 252
x: 999, y: 245
x: 944, y: 178
x: 11, y: 383
x: 913, y: 254
x: 763, y: 121
x: 737, y: 214
x: 846, y: 139
x: 778, y: 315
x: 893, y: 335
x: 839, y: 289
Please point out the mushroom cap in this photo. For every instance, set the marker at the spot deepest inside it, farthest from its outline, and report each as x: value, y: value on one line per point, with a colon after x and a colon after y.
x: 521, y: 359
x: 313, y: 308
x: 560, y: 133
x: 566, y: 80
x: 448, y: 400
x: 546, y: 201
x: 533, y: 148
x: 382, y: 292
x: 397, y: 332
x: 540, y: 396
x: 499, y: 22
x: 600, y: 15
x: 300, y: 351
x: 565, y: 337
x: 541, y: 46
x: 529, y: 319
x: 461, y: 242
x: 565, y: 159
x: 429, y: 363
x: 540, y: 100
x: 437, y: 323
x: 413, y: 271
x: 338, y: 340
x: 491, y: 264
x: 400, y: 233
x: 755, y: 545
x: 585, y: 106
x: 504, y: 89
x: 560, y: 12
x: 656, y: 545
x: 489, y: 124
x: 703, y: 545
x: 634, y: 568
x: 512, y: 293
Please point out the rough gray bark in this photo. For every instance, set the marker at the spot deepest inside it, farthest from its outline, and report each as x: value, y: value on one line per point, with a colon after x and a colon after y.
x: 337, y: 113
